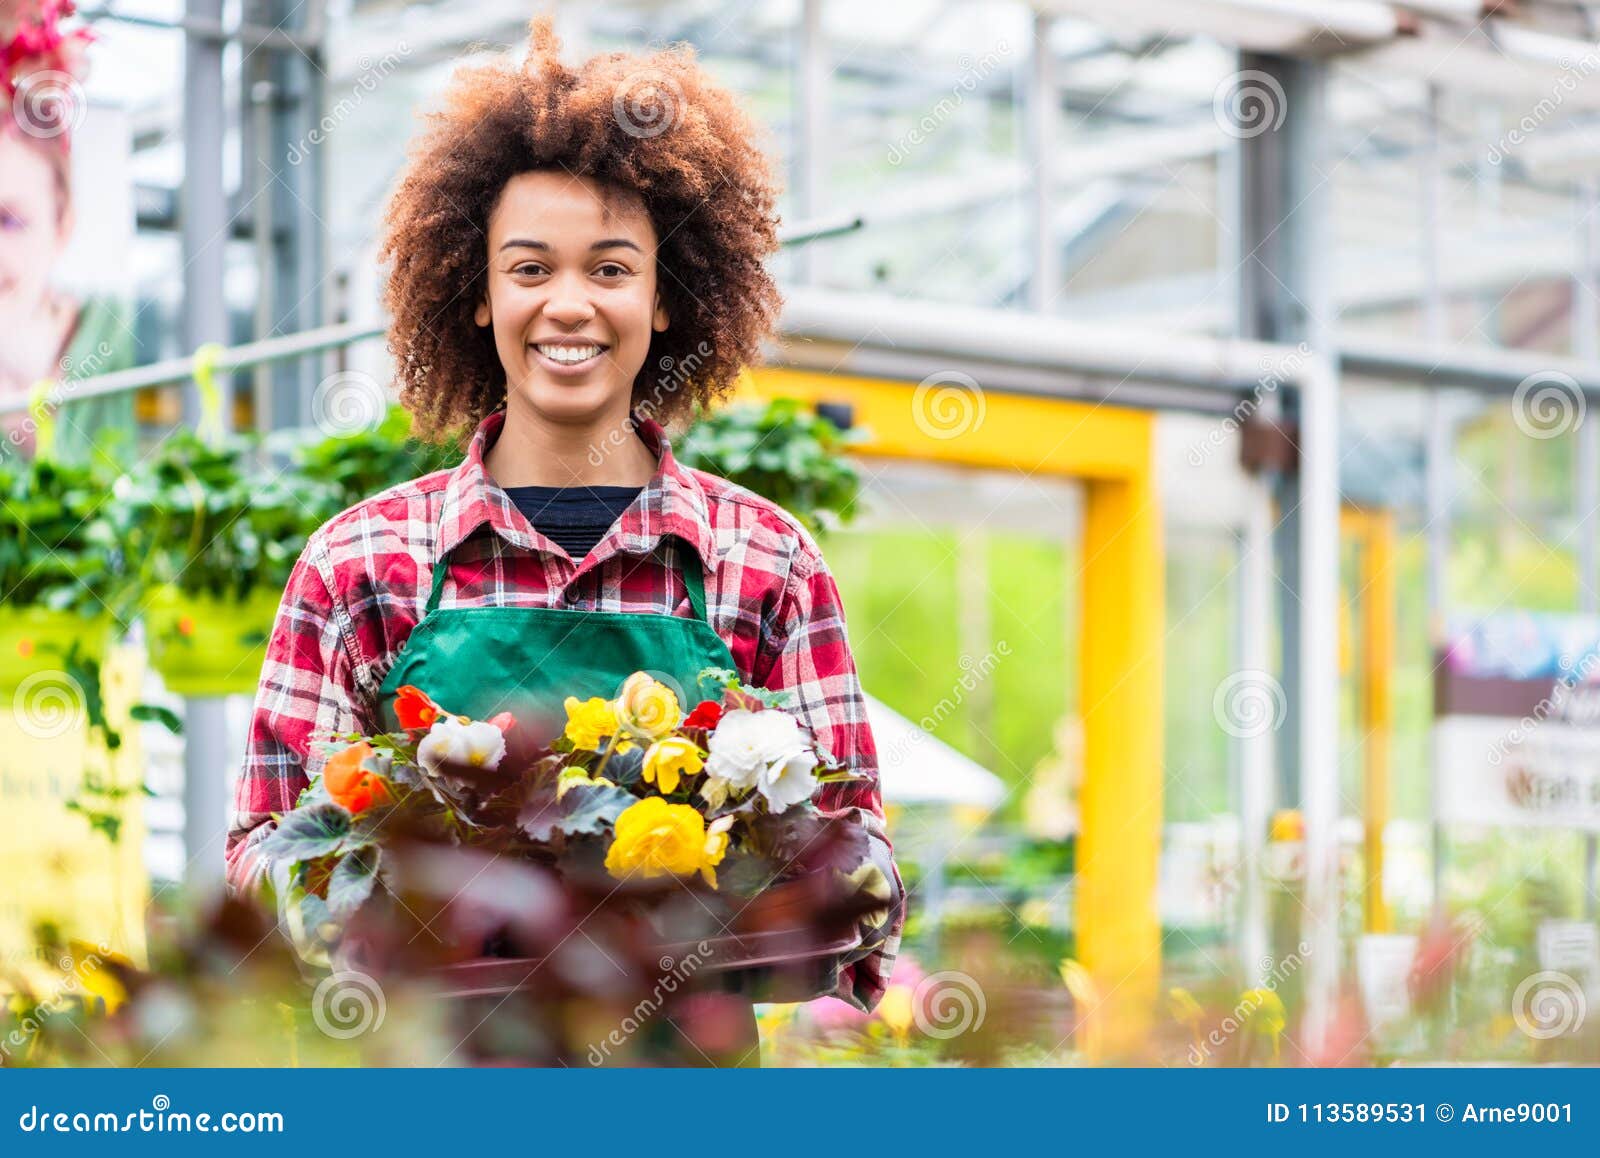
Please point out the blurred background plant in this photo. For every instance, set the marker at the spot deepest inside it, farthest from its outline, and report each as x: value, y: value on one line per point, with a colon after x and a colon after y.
x: 783, y: 451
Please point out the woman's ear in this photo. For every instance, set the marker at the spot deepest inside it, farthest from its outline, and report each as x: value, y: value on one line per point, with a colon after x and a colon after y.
x: 660, y: 321
x: 482, y: 314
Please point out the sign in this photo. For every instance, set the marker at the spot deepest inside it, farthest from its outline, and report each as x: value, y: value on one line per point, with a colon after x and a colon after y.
x: 1572, y: 948
x: 1517, y: 738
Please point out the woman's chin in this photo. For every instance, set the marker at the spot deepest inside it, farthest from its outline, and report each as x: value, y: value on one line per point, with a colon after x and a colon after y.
x: 570, y: 402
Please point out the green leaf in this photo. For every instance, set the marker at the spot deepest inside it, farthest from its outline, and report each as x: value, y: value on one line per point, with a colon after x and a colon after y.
x: 352, y: 881
x: 309, y: 832
x: 625, y: 768
x: 592, y: 807
x: 585, y: 808
x: 156, y: 714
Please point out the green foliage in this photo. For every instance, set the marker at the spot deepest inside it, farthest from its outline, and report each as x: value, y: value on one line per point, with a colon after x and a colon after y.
x: 230, y: 519
x: 58, y: 548
x: 344, y: 470
x: 782, y: 452
x: 352, y: 881
x: 156, y: 714
x: 584, y: 809
x: 102, y: 802
x: 210, y: 520
x: 306, y: 833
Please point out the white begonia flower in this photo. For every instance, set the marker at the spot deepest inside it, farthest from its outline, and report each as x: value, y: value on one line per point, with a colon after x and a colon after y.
x: 477, y: 743
x: 788, y: 782
x: 763, y: 750
x: 714, y: 791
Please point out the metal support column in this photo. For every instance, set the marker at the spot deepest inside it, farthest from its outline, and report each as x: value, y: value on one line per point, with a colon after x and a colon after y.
x: 206, y: 794
x: 1586, y: 492
x: 1285, y: 297
x: 811, y: 111
x: 1041, y: 107
x: 290, y: 172
x: 1438, y: 445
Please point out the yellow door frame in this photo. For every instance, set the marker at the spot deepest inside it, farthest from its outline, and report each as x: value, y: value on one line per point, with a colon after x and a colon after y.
x: 1110, y: 451
x: 1373, y: 533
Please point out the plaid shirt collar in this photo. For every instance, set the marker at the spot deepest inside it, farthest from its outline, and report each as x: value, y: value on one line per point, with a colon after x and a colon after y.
x: 672, y: 503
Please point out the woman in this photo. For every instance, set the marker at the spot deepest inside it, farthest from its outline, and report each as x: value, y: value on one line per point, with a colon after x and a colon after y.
x: 576, y: 261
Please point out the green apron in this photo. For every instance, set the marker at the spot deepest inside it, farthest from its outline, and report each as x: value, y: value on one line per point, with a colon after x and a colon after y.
x: 477, y: 661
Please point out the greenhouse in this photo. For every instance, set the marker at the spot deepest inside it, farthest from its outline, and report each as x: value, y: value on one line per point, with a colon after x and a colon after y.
x: 792, y: 534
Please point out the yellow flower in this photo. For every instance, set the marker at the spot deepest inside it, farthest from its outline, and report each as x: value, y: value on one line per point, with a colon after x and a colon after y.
x: 1287, y: 824
x: 1184, y: 1007
x: 647, y: 708
x: 667, y: 760
x: 716, y: 847
x: 897, y: 1010
x: 653, y: 837
x: 590, y: 721
x: 1265, y: 1012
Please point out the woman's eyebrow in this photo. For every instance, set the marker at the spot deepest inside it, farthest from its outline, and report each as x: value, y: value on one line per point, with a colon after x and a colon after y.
x: 608, y: 243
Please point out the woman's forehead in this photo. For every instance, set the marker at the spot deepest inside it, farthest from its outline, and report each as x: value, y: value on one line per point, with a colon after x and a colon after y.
x: 27, y: 180
x: 560, y: 209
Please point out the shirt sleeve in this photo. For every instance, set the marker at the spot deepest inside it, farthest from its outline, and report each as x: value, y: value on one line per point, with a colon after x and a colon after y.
x: 807, y: 654
x: 308, y: 691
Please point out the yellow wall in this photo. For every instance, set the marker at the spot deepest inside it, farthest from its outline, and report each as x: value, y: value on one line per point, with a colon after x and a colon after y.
x: 52, y: 865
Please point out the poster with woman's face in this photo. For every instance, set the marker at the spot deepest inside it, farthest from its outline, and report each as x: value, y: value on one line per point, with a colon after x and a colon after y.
x: 35, y: 228
x: 66, y: 217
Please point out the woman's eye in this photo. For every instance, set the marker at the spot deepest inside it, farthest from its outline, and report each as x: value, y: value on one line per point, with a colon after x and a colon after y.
x: 612, y: 269
x: 528, y: 269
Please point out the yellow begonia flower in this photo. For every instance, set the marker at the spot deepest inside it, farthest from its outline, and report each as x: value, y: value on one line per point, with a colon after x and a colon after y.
x: 590, y: 721
x: 653, y: 837
x: 667, y: 760
x: 647, y: 708
x: 716, y: 848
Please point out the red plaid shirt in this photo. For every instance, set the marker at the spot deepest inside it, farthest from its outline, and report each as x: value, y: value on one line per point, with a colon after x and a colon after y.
x: 360, y: 585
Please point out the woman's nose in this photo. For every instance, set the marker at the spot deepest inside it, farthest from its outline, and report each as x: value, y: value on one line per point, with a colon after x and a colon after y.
x: 569, y: 301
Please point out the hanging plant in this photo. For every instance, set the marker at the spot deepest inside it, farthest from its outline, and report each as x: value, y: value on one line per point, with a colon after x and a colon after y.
x: 216, y: 536
x: 784, y: 452
x: 61, y: 568
x: 344, y: 469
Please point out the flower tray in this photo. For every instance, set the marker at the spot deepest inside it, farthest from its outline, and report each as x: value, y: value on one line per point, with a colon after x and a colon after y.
x: 783, y: 965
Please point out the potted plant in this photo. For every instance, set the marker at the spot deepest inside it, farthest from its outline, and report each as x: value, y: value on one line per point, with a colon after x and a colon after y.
x: 216, y: 537
x: 343, y: 469
x: 61, y: 569
x: 784, y: 452
x: 699, y: 827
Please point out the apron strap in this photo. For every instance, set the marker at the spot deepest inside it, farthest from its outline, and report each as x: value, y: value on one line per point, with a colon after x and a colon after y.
x: 693, y: 579
x: 440, y: 569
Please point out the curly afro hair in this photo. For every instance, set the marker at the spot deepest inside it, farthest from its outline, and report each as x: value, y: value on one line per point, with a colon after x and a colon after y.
x: 652, y: 125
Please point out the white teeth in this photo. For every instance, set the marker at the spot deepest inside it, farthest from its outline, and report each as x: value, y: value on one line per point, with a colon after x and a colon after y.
x: 569, y: 355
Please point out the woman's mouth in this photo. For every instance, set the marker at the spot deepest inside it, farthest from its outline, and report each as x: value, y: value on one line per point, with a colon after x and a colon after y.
x: 567, y: 358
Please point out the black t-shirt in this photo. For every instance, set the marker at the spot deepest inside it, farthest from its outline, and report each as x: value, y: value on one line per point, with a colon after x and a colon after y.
x: 575, y: 517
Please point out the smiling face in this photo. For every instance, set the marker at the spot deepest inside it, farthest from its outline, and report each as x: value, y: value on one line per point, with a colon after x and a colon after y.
x: 571, y: 294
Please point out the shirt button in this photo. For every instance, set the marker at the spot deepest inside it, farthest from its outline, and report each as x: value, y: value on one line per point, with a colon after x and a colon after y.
x: 570, y: 595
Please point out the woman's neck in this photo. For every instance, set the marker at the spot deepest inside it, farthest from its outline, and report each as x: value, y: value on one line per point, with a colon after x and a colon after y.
x: 533, y: 451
